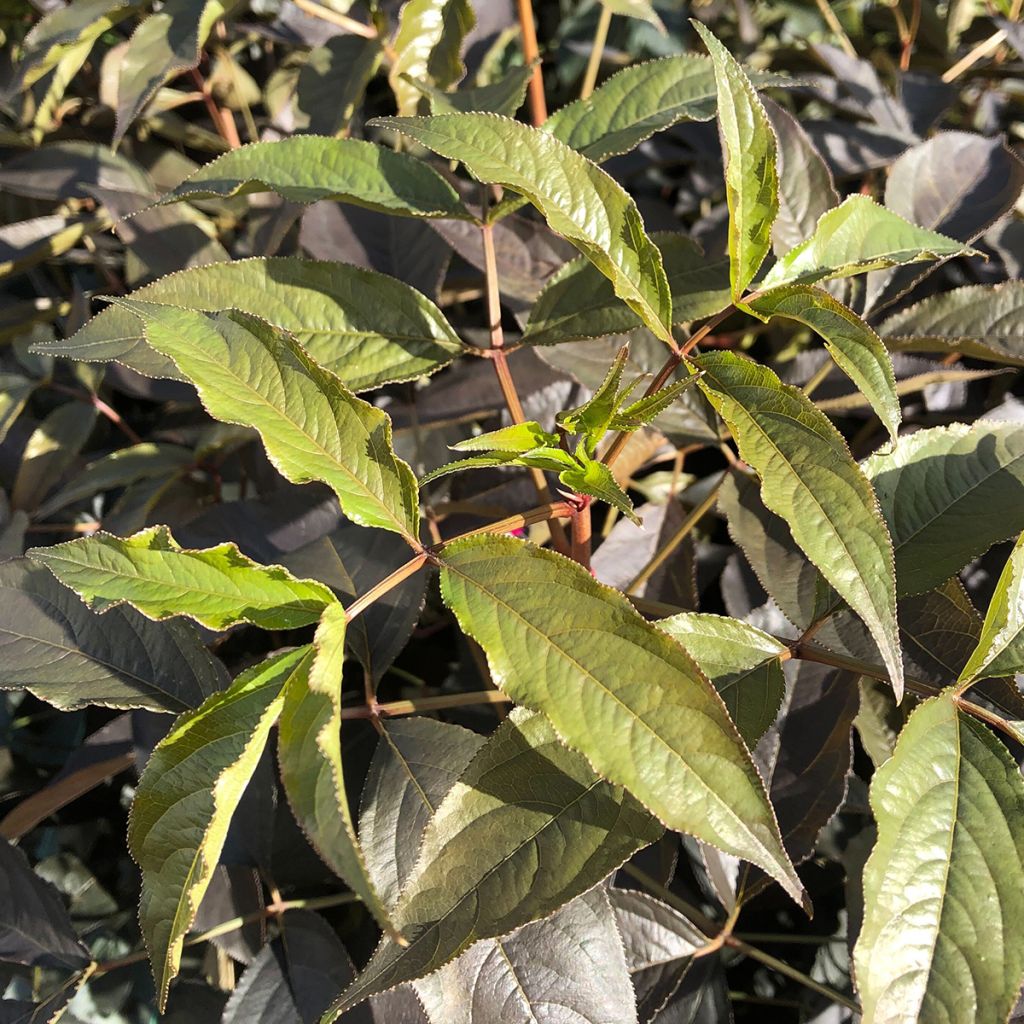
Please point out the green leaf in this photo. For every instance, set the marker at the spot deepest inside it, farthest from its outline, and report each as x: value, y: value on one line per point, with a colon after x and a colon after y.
x: 483, y: 461
x: 592, y: 419
x: 981, y: 321
x: 520, y: 437
x: 331, y: 84
x: 312, y: 426
x: 504, y: 96
x: 642, y: 99
x: 15, y: 391
x: 366, y: 327
x: 309, y: 168
x: 751, y: 177
x: 576, y: 197
x: 578, y: 302
x: 857, y: 236
x: 949, y: 494
x: 428, y: 45
x: 741, y: 661
x: 809, y: 478
x: 944, y: 886
x: 309, y: 750
x: 168, y: 41
x: 641, y: 412
x: 597, y: 480
x: 51, y: 644
x: 1000, y: 651
x: 218, y: 587
x: 640, y: 9
x: 528, y: 827
x: 50, y: 451
x: 186, y: 797
x: 854, y: 346
x: 660, y: 730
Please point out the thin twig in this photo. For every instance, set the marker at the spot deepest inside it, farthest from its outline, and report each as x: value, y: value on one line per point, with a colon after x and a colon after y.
x: 531, y: 55
x: 836, y: 26
x: 316, y: 10
x: 101, y: 407
x: 983, y: 49
x: 596, y: 52
x: 423, y: 705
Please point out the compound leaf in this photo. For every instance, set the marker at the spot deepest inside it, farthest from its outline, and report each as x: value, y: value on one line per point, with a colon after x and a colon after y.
x: 576, y: 197
x: 660, y: 730
x: 187, y: 795
x: 944, y: 886
x: 218, y: 587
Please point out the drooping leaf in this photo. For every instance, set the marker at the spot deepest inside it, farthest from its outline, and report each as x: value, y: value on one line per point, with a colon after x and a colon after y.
x: 638, y: 101
x: 35, y: 929
x: 218, y: 587
x: 309, y: 168
x: 252, y: 374
x: 638, y: 729
x: 576, y: 197
x: 742, y: 662
x: 418, y: 760
x: 1000, y: 650
x: 528, y: 827
x: 50, y: 451
x: 854, y: 346
x: 570, y: 966
x: 597, y: 480
x: 949, y: 494
x: 578, y: 302
x: 332, y: 82
x: 187, y: 795
x: 310, y: 754
x: 751, y: 175
x: 428, y: 45
x: 809, y: 478
x: 366, y: 327
x: 15, y: 391
x: 980, y: 321
x: 944, y: 887
x: 806, y: 189
x: 52, y: 644
x: 858, y: 235
x: 166, y: 41
x: 505, y: 96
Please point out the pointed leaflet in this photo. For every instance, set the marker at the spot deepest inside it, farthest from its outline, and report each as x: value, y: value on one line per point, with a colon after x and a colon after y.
x: 854, y: 346
x: 751, y: 177
x: 309, y: 748
x: 71, y: 657
x: 186, y: 797
x: 742, y: 662
x: 658, y: 727
x: 1000, y: 650
x: 427, y: 45
x: 982, y: 321
x: 578, y: 302
x: 312, y: 426
x: 218, y: 587
x: 859, y: 235
x: 944, y: 887
x: 576, y: 197
x: 528, y: 827
x: 640, y: 100
x: 809, y: 478
x: 949, y: 494
x: 366, y: 327
x: 308, y: 168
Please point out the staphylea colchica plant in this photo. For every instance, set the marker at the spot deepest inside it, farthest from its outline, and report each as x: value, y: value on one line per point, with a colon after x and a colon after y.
x: 527, y: 867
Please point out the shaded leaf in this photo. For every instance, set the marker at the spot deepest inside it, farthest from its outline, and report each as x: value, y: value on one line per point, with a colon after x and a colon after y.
x: 218, y: 587
x: 366, y: 327
x: 741, y: 661
x: 67, y: 655
x: 502, y: 591
x: 579, y: 302
x: 331, y: 83
x: 186, y: 798
x: 15, y: 391
x: 252, y: 374
x: 505, y: 96
x: 308, y: 168
x: 947, y: 867
x: 527, y: 827
x: 854, y: 346
x: 577, y: 199
x: 69, y: 169
x: 809, y: 478
x: 751, y: 175
x: 858, y: 235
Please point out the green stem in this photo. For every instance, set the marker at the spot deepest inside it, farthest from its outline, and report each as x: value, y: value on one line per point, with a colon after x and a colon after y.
x: 419, y: 705
x: 596, y: 52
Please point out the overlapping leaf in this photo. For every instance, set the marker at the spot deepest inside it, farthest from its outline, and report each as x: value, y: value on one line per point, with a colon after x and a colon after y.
x: 186, y: 798
x: 659, y: 728
x: 944, y: 887
x: 313, y: 427
x: 576, y: 197
x: 218, y: 587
